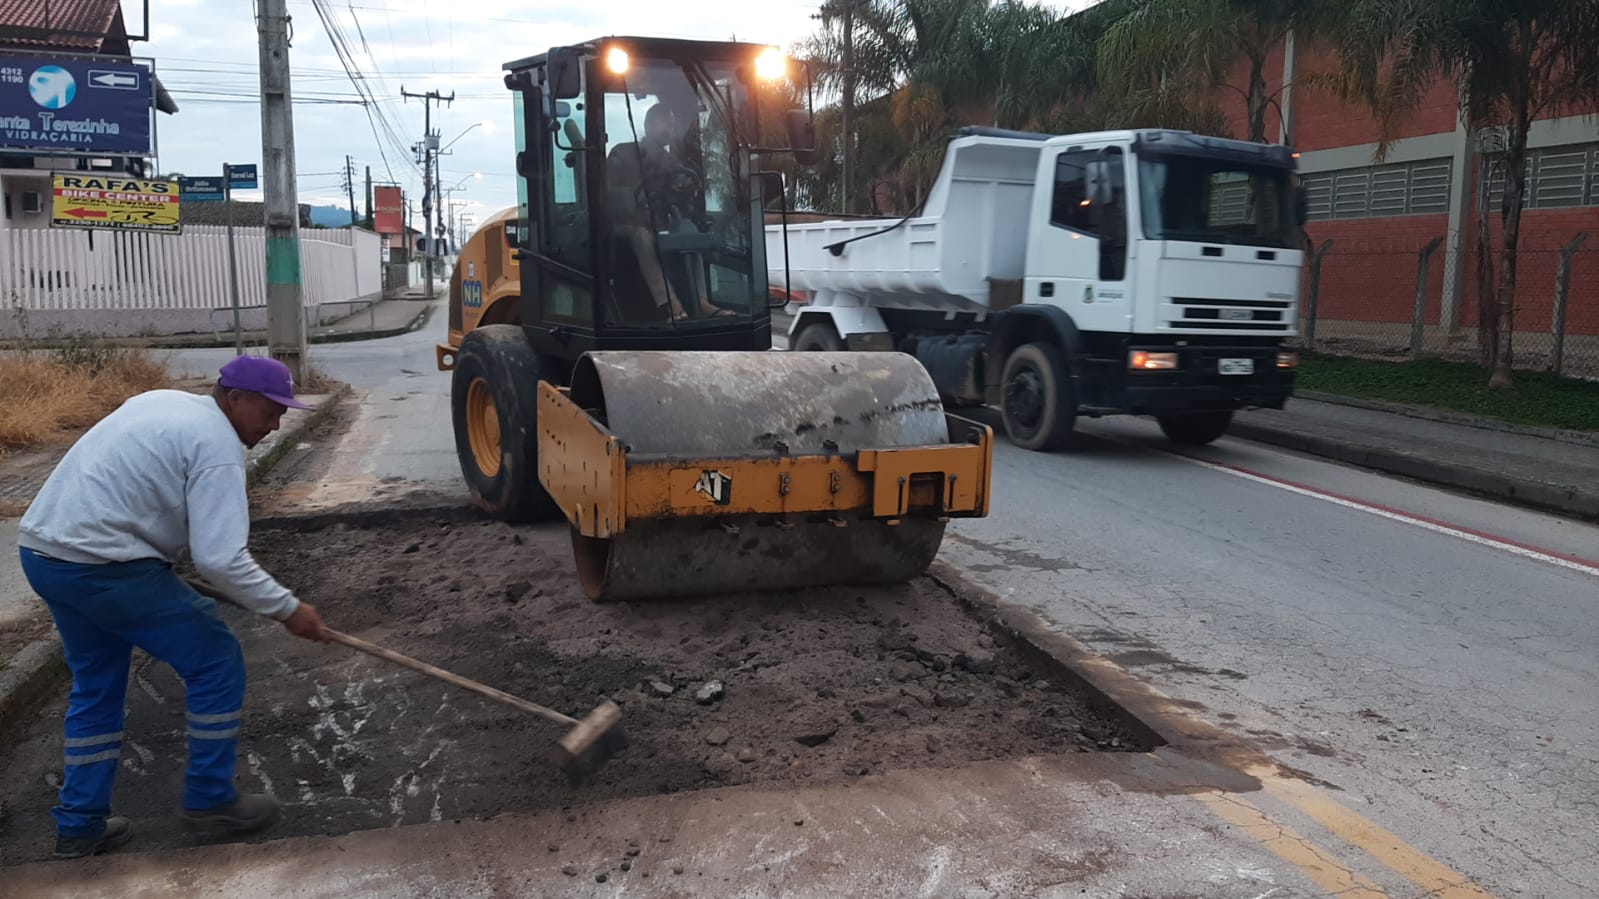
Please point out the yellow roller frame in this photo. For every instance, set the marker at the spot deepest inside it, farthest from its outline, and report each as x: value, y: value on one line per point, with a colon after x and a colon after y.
x: 601, y: 487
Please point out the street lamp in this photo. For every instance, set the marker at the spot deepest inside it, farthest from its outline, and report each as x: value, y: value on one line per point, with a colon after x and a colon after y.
x: 449, y: 208
x: 486, y: 125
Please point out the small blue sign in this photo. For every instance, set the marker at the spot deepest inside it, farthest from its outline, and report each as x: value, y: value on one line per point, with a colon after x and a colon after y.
x: 243, y: 177
x: 74, y: 106
x: 200, y: 189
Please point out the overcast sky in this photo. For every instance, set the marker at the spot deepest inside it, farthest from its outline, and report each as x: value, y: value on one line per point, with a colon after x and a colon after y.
x: 206, y: 55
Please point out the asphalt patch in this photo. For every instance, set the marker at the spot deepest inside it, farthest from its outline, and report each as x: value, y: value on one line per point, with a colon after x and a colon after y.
x: 782, y: 688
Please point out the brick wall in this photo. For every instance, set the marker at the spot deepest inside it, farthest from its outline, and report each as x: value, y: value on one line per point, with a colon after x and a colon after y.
x: 1543, y: 233
x: 1369, y: 273
x: 1323, y: 122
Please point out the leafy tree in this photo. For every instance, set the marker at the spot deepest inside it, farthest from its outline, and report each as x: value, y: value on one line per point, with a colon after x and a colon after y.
x: 1163, y: 55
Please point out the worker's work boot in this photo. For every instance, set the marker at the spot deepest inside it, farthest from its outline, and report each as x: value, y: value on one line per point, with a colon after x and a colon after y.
x: 245, y: 814
x: 118, y: 830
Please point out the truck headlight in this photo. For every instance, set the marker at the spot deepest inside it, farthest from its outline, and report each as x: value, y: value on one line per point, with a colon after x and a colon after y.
x: 1142, y: 360
x: 1287, y: 360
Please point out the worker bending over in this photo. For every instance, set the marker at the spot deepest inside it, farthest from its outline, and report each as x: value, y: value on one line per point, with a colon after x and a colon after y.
x: 163, y: 473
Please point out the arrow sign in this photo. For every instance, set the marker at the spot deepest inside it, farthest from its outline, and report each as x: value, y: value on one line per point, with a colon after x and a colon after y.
x: 125, y: 81
x: 80, y: 213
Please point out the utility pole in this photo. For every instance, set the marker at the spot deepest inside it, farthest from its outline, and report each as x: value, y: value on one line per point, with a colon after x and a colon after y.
x: 845, y: 11
x: 370, y: 222
x: 849, y: 99
x: 428, y: 156
x: 349, y: 183
x: 285, y: 314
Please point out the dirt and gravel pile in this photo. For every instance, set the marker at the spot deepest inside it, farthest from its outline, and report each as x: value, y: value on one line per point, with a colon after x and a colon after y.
x: 783, y: 688
x: 793, y: 687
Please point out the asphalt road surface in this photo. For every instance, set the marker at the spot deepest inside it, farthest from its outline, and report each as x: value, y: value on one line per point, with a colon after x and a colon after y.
x: 1430, y: 658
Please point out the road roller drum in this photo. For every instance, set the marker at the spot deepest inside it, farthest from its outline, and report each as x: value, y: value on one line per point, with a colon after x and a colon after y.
x: 687, y: 473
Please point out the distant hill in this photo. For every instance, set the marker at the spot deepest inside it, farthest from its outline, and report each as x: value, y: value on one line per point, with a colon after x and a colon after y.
x: 331, y: 216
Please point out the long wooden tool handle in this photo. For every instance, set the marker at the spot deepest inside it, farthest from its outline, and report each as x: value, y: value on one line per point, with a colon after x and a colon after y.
x: 376, y: 650
x: 447, y: 677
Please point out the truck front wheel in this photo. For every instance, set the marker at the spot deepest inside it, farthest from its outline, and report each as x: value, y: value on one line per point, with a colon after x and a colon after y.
x: 1039, y: 402
x: 1195, y: 428
x: 493, y: 405
x: 817, y: 337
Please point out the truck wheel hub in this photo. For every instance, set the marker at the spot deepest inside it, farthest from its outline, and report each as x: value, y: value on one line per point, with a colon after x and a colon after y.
x: 1024, y: 398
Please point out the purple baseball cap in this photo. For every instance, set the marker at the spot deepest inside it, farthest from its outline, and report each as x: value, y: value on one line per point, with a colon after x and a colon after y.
x: 263, y: 375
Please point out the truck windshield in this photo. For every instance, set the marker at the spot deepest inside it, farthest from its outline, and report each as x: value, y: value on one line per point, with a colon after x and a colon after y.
x: 1192, y: 198
x: 678, y: 194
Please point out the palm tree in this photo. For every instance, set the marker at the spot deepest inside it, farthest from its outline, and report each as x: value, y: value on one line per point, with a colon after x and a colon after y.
x: 1514, y: 62
x: 1162, y: 55
x: 893, y: 47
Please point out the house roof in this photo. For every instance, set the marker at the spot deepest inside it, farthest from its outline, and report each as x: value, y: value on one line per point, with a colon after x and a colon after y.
x: 246, y: 213
x: 60, y: 24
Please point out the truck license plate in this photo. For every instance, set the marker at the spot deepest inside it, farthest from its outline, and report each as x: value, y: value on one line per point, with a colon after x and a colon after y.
x: 1237, y: 366
x: 1237, y: 315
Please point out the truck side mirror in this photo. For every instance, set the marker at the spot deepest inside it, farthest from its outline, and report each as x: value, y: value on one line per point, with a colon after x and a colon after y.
x: 1098, y: 187
x: 565, y: 73
x: 1301, y: 206
x: 771, y: 186
x: 801, y: 136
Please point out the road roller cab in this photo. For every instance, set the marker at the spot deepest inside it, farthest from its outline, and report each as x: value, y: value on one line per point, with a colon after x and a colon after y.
x: 626, y: 387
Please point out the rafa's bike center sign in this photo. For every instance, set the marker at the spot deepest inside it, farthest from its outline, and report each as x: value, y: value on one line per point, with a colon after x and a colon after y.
x: 117, y: 204
x: 74, y: 106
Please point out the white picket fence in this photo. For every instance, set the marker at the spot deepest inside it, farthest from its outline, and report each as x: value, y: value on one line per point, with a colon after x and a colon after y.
x: 80, y: 271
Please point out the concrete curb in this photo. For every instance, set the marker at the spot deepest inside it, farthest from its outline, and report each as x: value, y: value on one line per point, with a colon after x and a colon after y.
x: 37, y: 670
x: 1120, y: 694
x: 1425, y: 413
x: 1544, y: 497
x: 251, y: 338
x: 416, y: 322
x: 256, y: 468
x: 32, y: 675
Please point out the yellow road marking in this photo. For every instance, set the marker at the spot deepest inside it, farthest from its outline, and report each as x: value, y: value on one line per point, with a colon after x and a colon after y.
x: 1317, y: 863
x: 1429, y: 874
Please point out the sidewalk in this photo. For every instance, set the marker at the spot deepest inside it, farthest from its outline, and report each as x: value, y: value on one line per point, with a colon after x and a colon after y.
x: 1545, y: 470
x: 383, y: 318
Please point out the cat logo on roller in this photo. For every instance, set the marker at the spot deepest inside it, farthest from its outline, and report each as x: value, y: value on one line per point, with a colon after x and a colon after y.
x: 715, y: 485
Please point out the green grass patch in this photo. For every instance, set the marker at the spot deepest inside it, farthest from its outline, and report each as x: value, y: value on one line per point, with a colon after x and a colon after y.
x: 1538, y: 398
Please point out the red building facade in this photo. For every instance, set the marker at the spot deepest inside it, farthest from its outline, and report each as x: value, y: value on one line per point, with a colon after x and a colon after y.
x: 1435, y: 183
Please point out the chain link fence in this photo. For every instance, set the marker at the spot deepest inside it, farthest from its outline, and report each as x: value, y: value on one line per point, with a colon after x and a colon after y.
x: 1397, y: 299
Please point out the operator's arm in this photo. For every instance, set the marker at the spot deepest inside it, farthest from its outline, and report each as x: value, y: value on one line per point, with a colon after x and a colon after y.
x: 219, y: 530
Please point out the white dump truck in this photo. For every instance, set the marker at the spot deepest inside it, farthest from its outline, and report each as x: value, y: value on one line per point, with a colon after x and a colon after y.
x: 1150, y: 272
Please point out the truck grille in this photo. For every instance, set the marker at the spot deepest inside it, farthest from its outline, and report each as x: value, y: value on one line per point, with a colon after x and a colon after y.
x: 1205, y: 313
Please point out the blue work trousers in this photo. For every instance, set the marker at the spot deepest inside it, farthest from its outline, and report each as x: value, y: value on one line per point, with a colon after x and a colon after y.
x: 102, y: 612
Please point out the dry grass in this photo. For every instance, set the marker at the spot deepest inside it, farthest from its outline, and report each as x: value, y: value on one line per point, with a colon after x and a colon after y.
x: 48, y: 396
x: 316, y: 381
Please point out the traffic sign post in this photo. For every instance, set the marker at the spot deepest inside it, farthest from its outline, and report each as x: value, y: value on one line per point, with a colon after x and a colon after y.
x: 233, y: 261
x: 201, y: 190
x: 243, y: 177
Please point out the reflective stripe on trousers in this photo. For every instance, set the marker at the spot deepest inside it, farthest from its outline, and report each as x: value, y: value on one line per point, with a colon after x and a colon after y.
x: 102, y: 612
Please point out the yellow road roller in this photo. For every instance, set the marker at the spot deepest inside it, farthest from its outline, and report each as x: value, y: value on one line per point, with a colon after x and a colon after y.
x: 610, y: 336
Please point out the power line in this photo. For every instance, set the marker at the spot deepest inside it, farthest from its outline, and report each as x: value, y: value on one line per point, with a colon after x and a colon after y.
x: 352, y: 70
x: 358, y: 79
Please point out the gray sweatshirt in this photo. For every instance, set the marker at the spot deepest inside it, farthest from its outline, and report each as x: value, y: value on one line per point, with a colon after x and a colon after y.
x: 164, y: 471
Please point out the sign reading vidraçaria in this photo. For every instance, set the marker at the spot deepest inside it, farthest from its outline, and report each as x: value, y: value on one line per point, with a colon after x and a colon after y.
x: 73, y: 105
